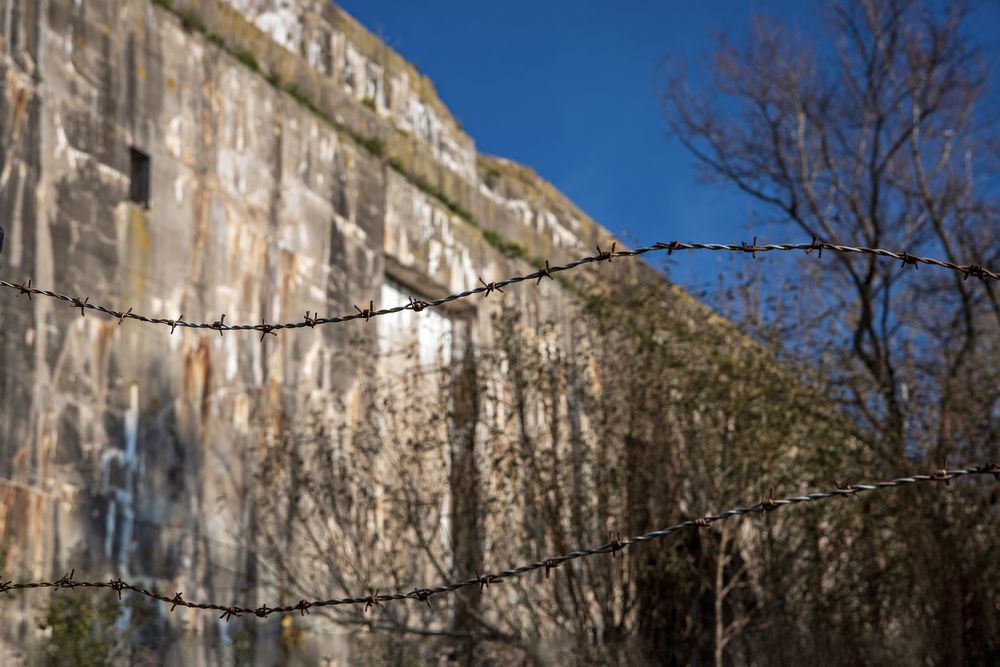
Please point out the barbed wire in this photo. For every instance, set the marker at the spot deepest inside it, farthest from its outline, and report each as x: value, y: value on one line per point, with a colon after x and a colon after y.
x: 311, y: 320
x: 483, y: 581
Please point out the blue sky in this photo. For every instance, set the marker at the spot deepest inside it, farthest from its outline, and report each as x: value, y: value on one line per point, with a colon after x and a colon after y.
x: 567, y: 87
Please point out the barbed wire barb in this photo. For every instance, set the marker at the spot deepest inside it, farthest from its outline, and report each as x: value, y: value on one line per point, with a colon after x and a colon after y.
x: 484, y: 580
x: 310, y: 321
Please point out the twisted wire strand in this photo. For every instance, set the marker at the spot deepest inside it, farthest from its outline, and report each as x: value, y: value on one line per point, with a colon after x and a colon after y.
x: 485, y: 580
x: 266, y: 328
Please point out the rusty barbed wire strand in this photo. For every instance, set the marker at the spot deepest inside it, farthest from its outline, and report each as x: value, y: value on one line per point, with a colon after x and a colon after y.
x: 483, y: 581
x: 486, y: 288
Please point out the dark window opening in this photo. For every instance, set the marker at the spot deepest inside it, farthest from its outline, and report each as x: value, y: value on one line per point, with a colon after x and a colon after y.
x: 139, y: 186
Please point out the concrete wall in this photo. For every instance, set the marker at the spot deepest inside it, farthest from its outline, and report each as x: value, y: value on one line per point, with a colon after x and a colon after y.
x: 297, y: 164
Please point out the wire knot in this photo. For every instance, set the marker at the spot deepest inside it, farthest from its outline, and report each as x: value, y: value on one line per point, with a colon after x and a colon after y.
x: 229, y: 613
x: 373, y: 599
x: 751, y: 248
x: 614, y: 544
x: 816, y: 244
x: 122, y: 316
x: 490, y: 287
x: 551, y: 564
x: 303, y: 607
x: 487, y: 579
x: 66, y: 581
x: 220, y: 324
x: 990, y: 468
x: 265, y: 329
x: 424, y: 595
x: 974, y: 270
x: 310, y: 321
x: 544, y: 273
x: 846, y: 489
x: 174, y: 323
x: 941, y: 476
x: 367, y: 312
x: 25, y: 289
x: 670, y: 247
x: 702, y: 522
x: 117, y: 585
x: 416, y: 305
x: 262, y: 611
x: 907, y: 258
x: 606, y: 255
x: 5, y: 586
x: 76, y: 303
x: 767, y: 502
x: 176, y: 600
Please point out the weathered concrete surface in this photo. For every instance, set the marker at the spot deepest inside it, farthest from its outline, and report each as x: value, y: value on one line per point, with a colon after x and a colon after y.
x: 125, y: 450
x: 337, y: 47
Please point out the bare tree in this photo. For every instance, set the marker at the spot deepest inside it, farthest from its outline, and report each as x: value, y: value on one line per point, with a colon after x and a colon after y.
x: 638, y: 408
x: 879, y: 137
x: 548, y: 438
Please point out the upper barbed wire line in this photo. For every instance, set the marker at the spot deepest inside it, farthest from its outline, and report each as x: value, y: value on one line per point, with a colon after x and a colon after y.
x: 266, y: 328
x: 485, y: 580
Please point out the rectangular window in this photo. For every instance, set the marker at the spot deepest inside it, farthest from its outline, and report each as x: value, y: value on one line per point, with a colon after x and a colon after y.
x: 424, y: 338
x: 139, y: 186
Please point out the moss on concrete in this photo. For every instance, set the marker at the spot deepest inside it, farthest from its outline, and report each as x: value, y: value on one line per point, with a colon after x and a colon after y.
x: 244, y: 57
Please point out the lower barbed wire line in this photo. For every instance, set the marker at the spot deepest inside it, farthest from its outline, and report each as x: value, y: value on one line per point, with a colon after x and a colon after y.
x: 485, y: 580
x: 265, y: 328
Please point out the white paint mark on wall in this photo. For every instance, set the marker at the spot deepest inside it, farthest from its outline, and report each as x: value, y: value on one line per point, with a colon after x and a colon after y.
x: 232, y: 358
x: 120, y: 518
x: 174, y: 139
x: 179, y: 189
